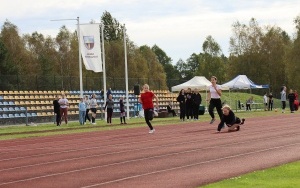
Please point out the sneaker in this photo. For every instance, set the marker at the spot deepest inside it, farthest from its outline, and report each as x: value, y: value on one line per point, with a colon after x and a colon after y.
x: 243, y: 120
x: 151, y: 131
x: 212, y: 121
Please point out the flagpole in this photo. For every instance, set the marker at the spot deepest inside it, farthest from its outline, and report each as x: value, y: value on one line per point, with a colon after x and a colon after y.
x: 80, y: 62
x: 126, y: 72
x: 104, y: 70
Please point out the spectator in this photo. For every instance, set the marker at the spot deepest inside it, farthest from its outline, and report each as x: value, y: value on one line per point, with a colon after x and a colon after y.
x: 93, y: 107
x: 87, y: 105
x: 63, y: 102
x: 283, y: 98
x: 122, y: 110
x: 196, y: 103
x: 82, y: 111
x: 270, y: 107
x: 189, y: 104
x: 181, y: 99
x: 291, y: 97
x: 109, y: 106
x: 57, y: 110
x: 266, y: 101
x: 248, y: 103
x: 170, y: 109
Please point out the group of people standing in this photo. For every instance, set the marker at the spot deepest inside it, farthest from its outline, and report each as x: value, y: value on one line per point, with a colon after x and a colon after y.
x: 189, y: 103
x: 292, y: 97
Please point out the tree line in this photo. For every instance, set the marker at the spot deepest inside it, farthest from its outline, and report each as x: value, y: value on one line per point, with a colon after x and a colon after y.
x: 266, y: 54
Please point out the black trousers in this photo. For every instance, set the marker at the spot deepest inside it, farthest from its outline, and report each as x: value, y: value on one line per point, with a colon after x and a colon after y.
x: 196, y: 111
x: 148, y: 113
x: 57, y: 118
x: 182, y: 111
x: 87, y: 117
x: 215, y: 103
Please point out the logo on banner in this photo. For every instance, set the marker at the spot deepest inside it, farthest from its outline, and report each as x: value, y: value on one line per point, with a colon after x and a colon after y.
x: 88, y: 42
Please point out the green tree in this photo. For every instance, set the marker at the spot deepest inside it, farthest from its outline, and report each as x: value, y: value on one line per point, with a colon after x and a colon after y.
x: 112, y: 28
x: 293, y: 59
x: 211, y: 61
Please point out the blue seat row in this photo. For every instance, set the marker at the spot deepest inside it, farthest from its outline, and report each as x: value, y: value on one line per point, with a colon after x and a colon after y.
x: 17, y: 115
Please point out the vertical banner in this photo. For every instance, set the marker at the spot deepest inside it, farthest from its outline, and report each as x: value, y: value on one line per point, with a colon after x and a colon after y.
x: 91, y: 47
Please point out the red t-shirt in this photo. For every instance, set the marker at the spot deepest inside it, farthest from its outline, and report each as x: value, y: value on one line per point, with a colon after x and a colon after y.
x: 147, y: 100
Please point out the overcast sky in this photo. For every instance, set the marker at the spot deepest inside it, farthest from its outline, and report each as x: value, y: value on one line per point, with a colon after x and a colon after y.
x: 179, y: 27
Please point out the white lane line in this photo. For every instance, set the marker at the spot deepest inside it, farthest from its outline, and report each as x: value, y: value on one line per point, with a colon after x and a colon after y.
x: 186, y: 166
x: 152, y: 157
x: 146, y: 148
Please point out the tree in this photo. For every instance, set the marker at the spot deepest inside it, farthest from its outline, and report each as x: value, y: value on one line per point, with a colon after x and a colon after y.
x: 293, y: 59
x: 211, y: 62
x: 112, y: 28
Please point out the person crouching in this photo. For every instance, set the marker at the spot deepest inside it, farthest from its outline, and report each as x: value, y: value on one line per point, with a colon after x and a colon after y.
x: 233, y: 123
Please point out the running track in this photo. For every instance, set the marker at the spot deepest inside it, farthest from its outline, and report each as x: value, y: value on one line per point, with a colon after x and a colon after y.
x: 186, y: 155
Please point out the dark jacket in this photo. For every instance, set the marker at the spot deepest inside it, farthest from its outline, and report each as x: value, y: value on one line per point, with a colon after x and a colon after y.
x: 56, y: 106
x: 197, y: 98
x: 181, y: 99
x: 230, y: 120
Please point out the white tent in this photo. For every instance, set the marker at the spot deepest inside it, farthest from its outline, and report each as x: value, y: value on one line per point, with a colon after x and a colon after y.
x: 198, y: 82
x: 242, y: 82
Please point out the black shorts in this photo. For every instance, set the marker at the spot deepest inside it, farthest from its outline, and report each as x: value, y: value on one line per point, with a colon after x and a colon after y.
x: 94, y: 110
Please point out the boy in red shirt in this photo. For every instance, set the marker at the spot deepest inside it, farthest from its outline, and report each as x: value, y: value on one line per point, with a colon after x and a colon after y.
x: 146, y: 99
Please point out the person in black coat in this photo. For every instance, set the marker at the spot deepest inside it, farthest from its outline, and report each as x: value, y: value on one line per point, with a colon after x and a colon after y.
x: 197, y: 99
x: 292, y: 97
x: 233, y: 123
x: 56, y: 110
x: 181, y: 99
x: 189, y: 104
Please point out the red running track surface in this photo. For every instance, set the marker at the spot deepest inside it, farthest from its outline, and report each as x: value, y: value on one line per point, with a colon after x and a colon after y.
x: 186, y: 155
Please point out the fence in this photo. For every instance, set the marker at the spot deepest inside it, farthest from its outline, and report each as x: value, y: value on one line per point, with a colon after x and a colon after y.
x: 69, y: 83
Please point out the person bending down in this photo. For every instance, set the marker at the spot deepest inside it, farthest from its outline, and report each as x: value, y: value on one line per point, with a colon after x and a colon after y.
x: 233, y: 123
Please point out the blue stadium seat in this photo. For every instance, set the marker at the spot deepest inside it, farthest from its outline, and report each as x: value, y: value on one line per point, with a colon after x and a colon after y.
x: 17, y: 109
x: 23, y: 108
x: 11, y: 115
x: 5, y: 109
x: 4, y: 116
x: 11, y: 103
x: 22, y: 115
x: 17, y: 115
x: 5, y: 103
x: 33, y: 114
x: 11, y: 109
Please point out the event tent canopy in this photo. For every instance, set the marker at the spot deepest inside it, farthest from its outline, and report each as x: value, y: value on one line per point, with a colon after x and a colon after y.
x: 198, y: 82
x: 242, y: 82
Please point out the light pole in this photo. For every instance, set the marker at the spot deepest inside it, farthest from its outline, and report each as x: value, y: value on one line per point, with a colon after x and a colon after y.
x: 79, y: 53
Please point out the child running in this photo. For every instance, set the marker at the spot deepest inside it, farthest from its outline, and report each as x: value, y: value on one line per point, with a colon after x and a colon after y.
x: 146, y: 100
x: 233, y: 123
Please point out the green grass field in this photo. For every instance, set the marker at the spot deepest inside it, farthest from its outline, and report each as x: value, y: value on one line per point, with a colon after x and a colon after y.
x: 285, y: 176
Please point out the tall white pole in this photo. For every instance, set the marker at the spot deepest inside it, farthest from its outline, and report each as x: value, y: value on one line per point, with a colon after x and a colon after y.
x: 104, y: 70
x: 80, y: 62
x: 126, y: 71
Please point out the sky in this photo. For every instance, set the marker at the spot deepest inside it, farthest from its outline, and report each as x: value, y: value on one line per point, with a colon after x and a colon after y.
x: 179, y: 27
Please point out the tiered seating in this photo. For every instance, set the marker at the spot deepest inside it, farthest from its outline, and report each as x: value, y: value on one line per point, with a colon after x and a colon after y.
x: 19, y: 104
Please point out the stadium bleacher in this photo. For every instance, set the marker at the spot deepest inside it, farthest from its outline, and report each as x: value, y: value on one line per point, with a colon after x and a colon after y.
x: 38, y: 105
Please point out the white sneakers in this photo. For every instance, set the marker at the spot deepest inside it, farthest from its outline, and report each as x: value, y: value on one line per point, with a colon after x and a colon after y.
x: 151, y: 131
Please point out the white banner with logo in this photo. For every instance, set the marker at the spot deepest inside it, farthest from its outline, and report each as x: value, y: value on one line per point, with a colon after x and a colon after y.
x: 91, y: 47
